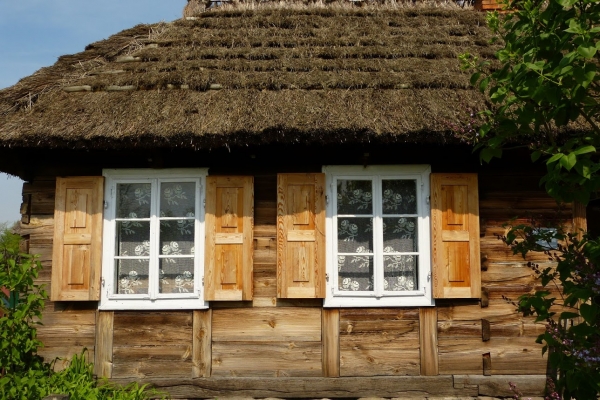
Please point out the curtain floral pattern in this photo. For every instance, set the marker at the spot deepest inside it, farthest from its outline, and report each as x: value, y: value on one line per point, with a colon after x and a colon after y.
x: 355, y: 234
x: 176, y: 237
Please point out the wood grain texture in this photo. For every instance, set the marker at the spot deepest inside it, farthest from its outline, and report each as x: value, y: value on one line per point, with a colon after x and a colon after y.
x: 379, y: 342
x: 202, y: 344
x: 313, y: 387
x: 229, y: 222
x: 269, y: 358
x: 266, y: 324
x: 331, y: 342
x: 455, y: 236
x: 428, y: 341
x: 104, y: 344
x: 77, y: 244
x: 300, y: 236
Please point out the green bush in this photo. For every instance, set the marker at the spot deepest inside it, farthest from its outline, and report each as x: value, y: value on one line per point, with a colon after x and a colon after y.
x: 23, y: 374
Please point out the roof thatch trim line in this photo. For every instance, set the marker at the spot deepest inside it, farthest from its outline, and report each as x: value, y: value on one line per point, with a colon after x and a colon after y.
x: 72, y: 89
x: 114, y: 88
x: 128, y: 59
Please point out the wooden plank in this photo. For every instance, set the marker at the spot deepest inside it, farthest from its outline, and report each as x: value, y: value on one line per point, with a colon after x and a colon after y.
x: 269, y: 358
x: 177, y: 353
x: 104, y: 344
x: 428, y: 341
x: 379, y: 361
x: 498, y: 385
x: 63, y: 355
x: 312, y: 387
x: 579, y: 219
x: 331, y: 342
x: 512, y: 356
x: 152, y: 328
x: 202, y: 344
x: 276, y: 324
x: 135, y: 370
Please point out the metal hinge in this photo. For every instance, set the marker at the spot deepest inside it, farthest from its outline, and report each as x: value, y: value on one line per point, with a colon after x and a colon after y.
x: 105, y: 204
x: 326, y: 199
x: 327, y: 277
x: 103, y: 282
x: 427, y: 199
x: 429, y: 277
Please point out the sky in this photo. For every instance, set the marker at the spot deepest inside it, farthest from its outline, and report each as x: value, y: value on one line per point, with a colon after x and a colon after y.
x: 34, y: 33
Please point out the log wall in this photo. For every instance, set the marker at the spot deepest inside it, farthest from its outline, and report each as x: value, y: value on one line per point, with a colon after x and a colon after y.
x: 269, y: 338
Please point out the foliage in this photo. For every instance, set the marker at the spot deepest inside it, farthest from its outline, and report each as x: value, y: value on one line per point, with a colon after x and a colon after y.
x: 545, y: 92
x: 8, y: 240
x: 572, y: 337
x: 24, y: 374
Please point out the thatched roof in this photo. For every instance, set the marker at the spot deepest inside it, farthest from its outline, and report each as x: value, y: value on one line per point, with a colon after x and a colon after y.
x: 273, y: 74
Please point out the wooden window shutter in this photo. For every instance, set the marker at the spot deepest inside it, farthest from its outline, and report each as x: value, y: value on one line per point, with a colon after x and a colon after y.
x: 455, y: 236
x: 229, y: 247
x: 301, y: 236
x: 77, y: 246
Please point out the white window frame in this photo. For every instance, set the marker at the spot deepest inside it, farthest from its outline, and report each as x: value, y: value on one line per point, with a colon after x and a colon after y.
x: 109, y: 300
x: 422, y: 295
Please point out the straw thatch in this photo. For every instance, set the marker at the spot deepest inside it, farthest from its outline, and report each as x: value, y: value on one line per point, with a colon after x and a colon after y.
x: 271, y: 74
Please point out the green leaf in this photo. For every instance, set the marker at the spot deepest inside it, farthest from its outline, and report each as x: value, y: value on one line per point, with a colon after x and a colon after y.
x: 535, y: 155
x: 589, y: 312
x: 555, y: 158
x: 584, y: 150
x: 587, y: 52
x: 568, y: 161
x: 474, y: 78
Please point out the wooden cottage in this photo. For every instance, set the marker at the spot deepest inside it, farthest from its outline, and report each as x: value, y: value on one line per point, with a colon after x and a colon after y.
x: 278, y: 202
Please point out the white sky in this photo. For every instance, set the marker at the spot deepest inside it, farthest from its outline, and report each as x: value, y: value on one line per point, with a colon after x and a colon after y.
x: 34, y: 33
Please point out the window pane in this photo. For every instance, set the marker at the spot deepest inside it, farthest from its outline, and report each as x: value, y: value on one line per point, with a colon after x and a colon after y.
x: 400, y: 272
x: 400, y: 235
x: 176, y: 275
x: 355, y: 273
x: 177, y: 236
x: 354, y: 197
x: 355, y: 235
x: 177, y: 199
x: 132, y: 276
x: 133, y: 200
x: 399, y: 196
x: 133, y: 238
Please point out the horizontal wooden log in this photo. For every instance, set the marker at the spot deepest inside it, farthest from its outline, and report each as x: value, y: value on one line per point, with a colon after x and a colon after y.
x: 181, y: 352
x: 135, y: 370
x: 377, y: 361
x: 388, y: 339
x: 500, y: 327
x: 63, y: 355
x: 269, y: 358
x: 498, y: 385
x: 509, y: 356
x: 152, y: 328
x: 306, y: 387
x: 280, y: 324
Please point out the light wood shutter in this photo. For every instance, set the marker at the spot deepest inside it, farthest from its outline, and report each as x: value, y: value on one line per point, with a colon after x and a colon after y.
x: 77, y: 247
x: 455, y: 236
x: 301, y: 236
x: 229, y: 247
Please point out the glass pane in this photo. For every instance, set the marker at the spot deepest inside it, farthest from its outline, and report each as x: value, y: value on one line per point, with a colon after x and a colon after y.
x: 176, y: 275
x: 355, y: 273
x: 133, y: 200
x: 177, y: 236
x: 131, y: 276
x: 354, y: 197
x: 355, y: 235
x: 177, y: 199
x: 133, y: 238
x: 400, y: 272
x: 400, y: 235
x: 399, y: 196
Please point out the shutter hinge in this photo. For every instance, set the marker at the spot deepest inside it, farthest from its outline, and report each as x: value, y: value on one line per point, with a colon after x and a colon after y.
x: 429, y: 277
x: 202, y: 281
x: 326, y: 199
x: 427, y: 199
x: 103, y: 282
x: 327, y: 277
x: 105, y: 204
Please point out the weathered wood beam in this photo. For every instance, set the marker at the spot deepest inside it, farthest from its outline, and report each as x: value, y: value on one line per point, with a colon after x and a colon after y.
x: 331, y: 342
x: 428, y: 341
x: 497, y: 385
x: 201, y: 344
x: 397, y: 386
x: 104, y: 344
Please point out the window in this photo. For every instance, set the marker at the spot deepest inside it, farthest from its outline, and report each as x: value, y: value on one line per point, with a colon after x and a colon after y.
x: 153, y: 245
x: 378, y: 246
